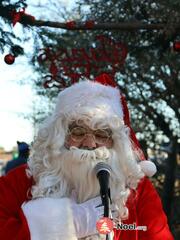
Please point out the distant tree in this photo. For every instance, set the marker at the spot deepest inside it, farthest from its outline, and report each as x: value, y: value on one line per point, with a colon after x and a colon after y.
x: 7, y: 38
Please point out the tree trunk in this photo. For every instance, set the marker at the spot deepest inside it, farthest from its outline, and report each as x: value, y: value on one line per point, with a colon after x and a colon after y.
x: 168, y: 188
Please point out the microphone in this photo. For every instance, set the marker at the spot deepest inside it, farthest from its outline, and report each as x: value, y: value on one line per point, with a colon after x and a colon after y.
x: 103, y: 171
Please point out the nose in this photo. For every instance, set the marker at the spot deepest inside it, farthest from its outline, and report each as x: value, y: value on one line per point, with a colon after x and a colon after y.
x: 88, y: 142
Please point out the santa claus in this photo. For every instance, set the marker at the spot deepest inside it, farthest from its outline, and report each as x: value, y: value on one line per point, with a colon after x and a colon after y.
x: 56, y: 196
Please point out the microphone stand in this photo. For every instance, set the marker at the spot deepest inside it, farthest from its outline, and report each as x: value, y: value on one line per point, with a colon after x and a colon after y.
x: 106, y: 199
x: 103, y: 171
x: 105, y: 202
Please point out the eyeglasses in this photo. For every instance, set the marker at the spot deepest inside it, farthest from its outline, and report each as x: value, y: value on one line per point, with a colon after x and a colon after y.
x: 101, y: 136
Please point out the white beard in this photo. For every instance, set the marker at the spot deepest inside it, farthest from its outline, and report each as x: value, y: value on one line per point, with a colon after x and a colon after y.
x: 77, y: 167
x: 73, y: 170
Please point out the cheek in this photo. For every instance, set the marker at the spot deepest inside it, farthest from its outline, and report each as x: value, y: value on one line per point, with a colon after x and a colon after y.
x: 108, y: 144
x: 69, y: 143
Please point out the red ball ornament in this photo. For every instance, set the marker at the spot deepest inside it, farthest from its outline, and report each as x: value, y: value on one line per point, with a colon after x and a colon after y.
x: 70, y: 24
x: 9, y: 59
x: 89, y: 24
x: 176, y: 46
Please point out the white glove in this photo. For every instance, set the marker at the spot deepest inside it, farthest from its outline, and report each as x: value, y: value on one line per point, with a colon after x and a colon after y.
x: 50, y: 218
x: 86, y: 215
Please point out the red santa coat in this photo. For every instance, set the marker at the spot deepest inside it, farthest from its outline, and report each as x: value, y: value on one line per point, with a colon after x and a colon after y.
x: 145, y: 209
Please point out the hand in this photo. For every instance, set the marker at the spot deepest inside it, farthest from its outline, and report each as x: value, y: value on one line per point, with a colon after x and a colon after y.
x: 86, y: 215
x: 50, y: 218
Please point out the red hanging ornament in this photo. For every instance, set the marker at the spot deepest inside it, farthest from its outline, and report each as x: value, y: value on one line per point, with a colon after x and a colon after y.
x: 70, y: 24
x: 176, y: 46
x: 89, y: 24
x: 21, y: 16
x: 16, y: 16
x: 9, y: 59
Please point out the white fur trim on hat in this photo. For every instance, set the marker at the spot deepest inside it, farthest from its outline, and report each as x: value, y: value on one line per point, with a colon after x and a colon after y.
x: 91, y: 98
x: 148, y: 168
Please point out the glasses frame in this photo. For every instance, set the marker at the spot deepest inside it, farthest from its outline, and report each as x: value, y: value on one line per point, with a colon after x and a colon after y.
x: 90, y: 132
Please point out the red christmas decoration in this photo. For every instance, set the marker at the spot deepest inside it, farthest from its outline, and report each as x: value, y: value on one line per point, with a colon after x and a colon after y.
x: 21, y: 15
x: 176, y: 46
x: 68, y: 66
x: 53, y: 69
x: 16, y: 16
x: 9, y: 59
x: 89, y: 24
x: 45, y: 84
x: 70, y: 24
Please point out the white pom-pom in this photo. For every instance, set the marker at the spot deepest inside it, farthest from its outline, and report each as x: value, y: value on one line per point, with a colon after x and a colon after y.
x: 148, y: 168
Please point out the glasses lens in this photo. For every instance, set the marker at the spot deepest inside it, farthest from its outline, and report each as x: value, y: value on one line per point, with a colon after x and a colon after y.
x: 78, y: 133
x: 102, y: 136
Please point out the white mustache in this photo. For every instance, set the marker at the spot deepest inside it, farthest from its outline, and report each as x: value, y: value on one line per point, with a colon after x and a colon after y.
x: 101, y: 153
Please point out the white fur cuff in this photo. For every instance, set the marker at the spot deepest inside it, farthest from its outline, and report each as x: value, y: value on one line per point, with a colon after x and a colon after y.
x: 50, y: 219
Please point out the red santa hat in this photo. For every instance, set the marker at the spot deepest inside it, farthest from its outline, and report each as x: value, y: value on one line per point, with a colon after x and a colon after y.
x: 147, y: 167
x: 102, y: 99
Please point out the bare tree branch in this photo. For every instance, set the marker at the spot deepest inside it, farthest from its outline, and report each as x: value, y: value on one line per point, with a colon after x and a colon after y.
x: 26, y: 19
x: 130, y: 26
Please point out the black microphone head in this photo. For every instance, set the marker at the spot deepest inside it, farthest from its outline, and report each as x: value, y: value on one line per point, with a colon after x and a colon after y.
x: 101, y: 166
